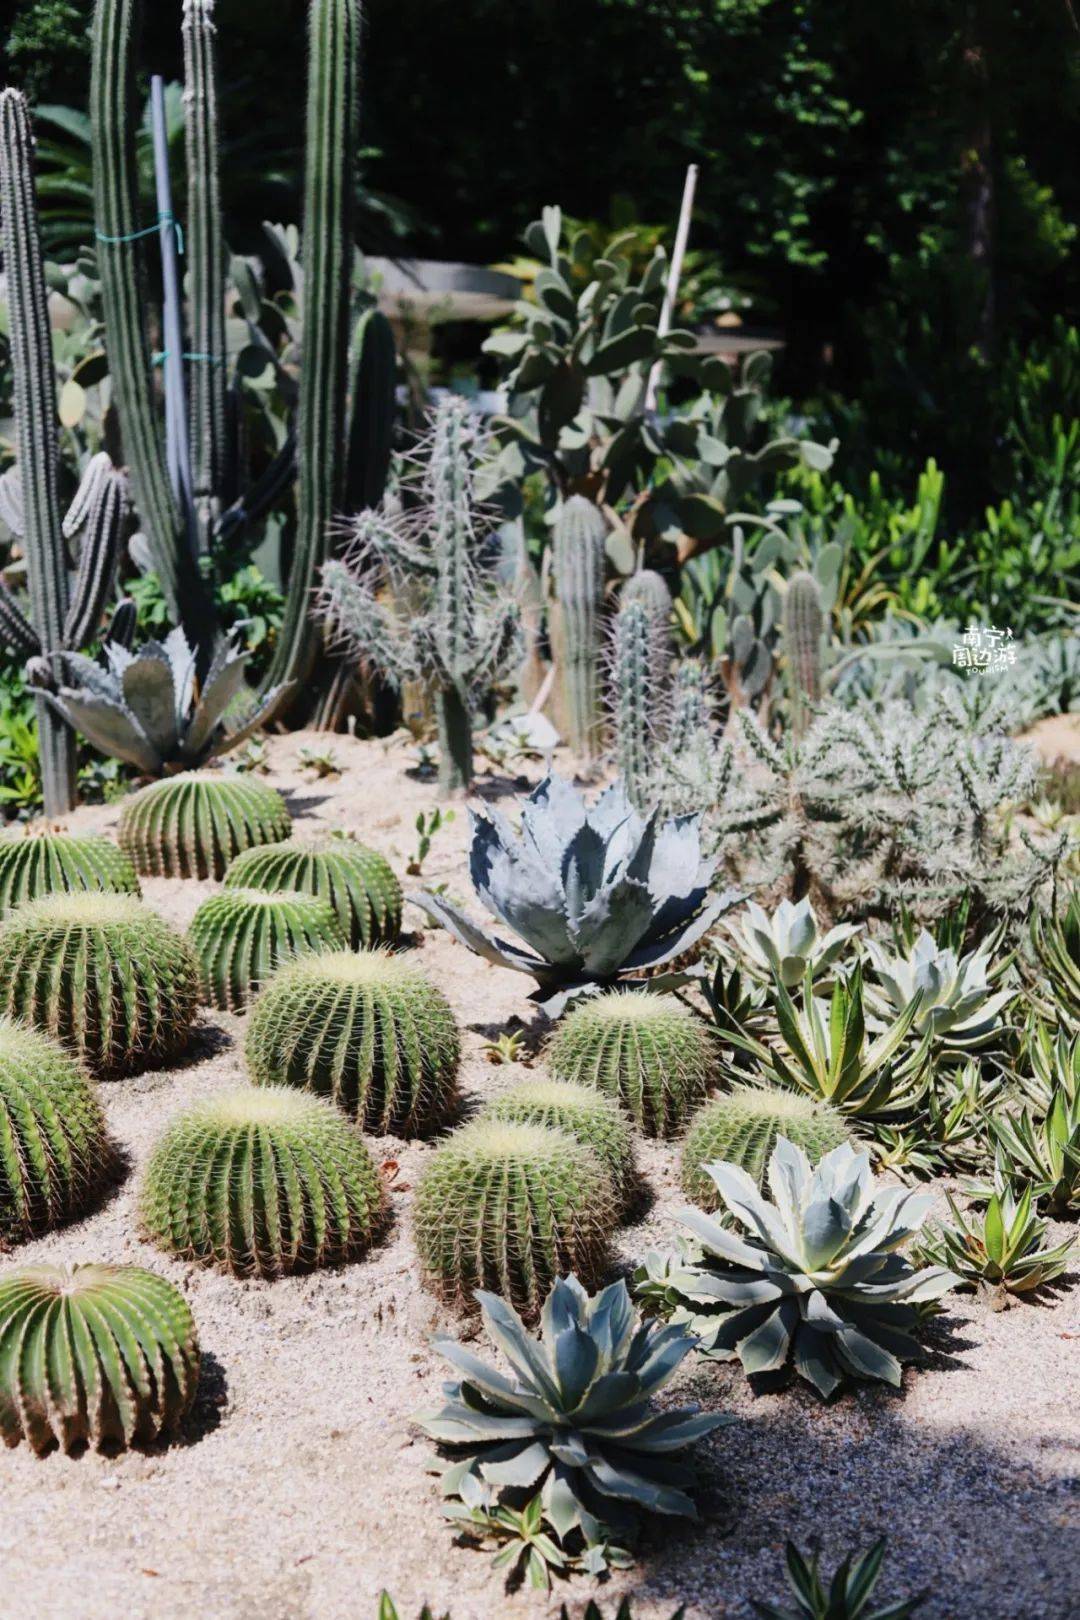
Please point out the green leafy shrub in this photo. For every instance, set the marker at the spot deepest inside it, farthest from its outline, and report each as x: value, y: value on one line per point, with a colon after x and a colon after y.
x: 357, y: 881
x: 48, y: 862
x: 510, y: 1208
x: 117, y: 1361
x: 262, y: 1183
x: 241, y: 935
x: 54, y: 1149
x: 648, y: 1051
x: 104, y: 975
x: 194, y: 824
x: 364, y: 1028
x: 741, y: 1127
x: 584, y: 1114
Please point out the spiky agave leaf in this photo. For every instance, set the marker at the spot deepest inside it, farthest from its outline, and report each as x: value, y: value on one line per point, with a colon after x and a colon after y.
x: 815, y: 1276
x: 742, y: 1127
x: 575, y: 1418
x: 785, y: 944
x: 957, y: 1006
x: 596, y: 893
x: 999, y: 1250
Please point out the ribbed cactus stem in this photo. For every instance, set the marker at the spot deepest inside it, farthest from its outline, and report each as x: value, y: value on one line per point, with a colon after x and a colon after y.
x: 332, y: 122
x: 804, y: 626
x: 690, y: 717
x: 450, y: 491
x: 650, y: 589
x: 455, y: 740
x: 639, y: 677
x: 578, y: 556
x: 206, y: 266
x: 35, y: 421
x: 371, y: 411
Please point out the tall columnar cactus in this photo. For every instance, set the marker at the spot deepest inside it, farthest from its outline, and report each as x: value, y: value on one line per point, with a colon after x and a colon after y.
x: 372, y: 407
x: 54, y: 1151
x: 639, y: 693
x: 651, y: 590
x: 241, y: 935
x: 691, y: 725
x: 648, y: 1051
x: 367, y: 1030
x: 208, y: 390
x: 95, y: 1355
x: 509, y: 1208
x: 262, y: 1183
x: 357, y: 881
x: 102, y: 974
x: 578, y: 557
x: 194, y: 824
x: 60, y: 618
x: 49, y: 863
x: 581, y: 1112
x: 449, y: 626
x: 329, y: 187
x: 804, y: 629
x: 742, y: 1127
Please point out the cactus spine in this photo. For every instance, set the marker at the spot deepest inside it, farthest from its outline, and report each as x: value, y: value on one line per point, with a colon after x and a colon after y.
x: 241, y: 935
x: 741, y: 1127
x: 639, y: 680
x: 650, y: 589
x: 193, y: 825
x: 35, y: 418
x: 690, y: 726
x: 206, y: 262
x: 332, y: 125
x: 47, y: 863
x: 586, y: 1115
x: 804, y: 628
x: 578, y: 556
x: 357, y: 881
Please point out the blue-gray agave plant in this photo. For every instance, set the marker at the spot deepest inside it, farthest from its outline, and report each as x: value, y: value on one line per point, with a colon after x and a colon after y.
x: 149, y: 708
x: 959, y: 1005
x: 595, y: 893
x: 817, y: 1277
x: 575, y: 1421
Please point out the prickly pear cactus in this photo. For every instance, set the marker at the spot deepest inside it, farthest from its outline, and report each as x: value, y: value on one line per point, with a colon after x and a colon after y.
x: 509, y: 1208
x: 262, y: 1183
x: 104, y: 975
x: 741, y: 1128
x: 365, y: 1029
x: 241, y: 935
x: 584, y: 1114
x: 357, y: 882
x: 648, y: 1051
x: 193, y: 825
x: 50, y: 863
x: 115, y: 1357
x: 54, y: 1150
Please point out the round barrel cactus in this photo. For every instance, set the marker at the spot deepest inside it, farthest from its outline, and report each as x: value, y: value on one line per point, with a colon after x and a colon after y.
x: 509, y: 1208
x: 357, y: 881
x: 741, y: 1128
x: 193, y: 825
x: 49, y: 863
x: 585, y: 1114
x: 103, y: 974
x: 648, y: 1051
x: 93, y: 1355
x: 364, y: 1028
x: 262, y: 1183
x: 54, y: 1151
x: 241, y: 935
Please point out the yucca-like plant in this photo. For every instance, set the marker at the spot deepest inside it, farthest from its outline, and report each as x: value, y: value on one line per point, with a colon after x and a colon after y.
x: 596, y: 892
x: 742, y: 1127
x: 649, y: 1052
x: 1044, y: 1151
x: 262, y: 1183
x: 817, y: 1278
x: 510, y: 1208
x: 575, y: 1419
x: 149, y: 708
x: 998, y: 1251
x: 784, y: 945
x: 1055, y: 947
x: 104, y: 975
x: 357, y: 881
x: 93, y: 1355
x: 1050, y: 1062
x: 958, y: 1005
x: 54, y: 1149
x: 583, y: 1113
x: 240, y: 936
x: 364, y: 1028
x: 847, y: 1596
x: 948, y: 1131
x: 823, y: 1050
x: 195, y: 824
x: 50, y: 862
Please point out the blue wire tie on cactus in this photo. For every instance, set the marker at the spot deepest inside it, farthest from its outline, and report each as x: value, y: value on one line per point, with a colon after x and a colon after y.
x: 162, y: 355
x: 151, y: 230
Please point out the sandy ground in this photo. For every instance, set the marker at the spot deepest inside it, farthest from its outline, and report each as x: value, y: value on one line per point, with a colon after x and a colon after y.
x: 299, y: 1492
